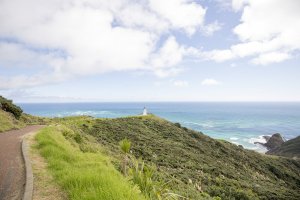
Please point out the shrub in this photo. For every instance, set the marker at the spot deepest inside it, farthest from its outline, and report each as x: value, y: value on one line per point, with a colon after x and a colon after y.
x: 125, y: 145
x: 185, y: 128
x: 8, y: 106
x: 145, y: 176
x: 177, y: 124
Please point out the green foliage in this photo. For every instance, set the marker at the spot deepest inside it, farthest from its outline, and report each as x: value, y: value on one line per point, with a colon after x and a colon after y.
x: 9, y: 122
x: 290, y: 148
x: 125, y: 145
x: 78, y: 138
x: 11, y: 116
x: 218, y: 167
x: 177, y: 124
x: 153, y: 188
x: 195, y: 166
x: 82, y: 175
x: 146, y: 178
x: 8, y: 106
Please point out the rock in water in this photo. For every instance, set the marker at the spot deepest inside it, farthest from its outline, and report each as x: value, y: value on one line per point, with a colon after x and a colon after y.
x: 267, y: 137
x: 290, y: 149
x: 274, y: 141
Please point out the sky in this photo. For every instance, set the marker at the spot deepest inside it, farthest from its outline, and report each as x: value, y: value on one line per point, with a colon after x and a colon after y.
x: 149, y: 50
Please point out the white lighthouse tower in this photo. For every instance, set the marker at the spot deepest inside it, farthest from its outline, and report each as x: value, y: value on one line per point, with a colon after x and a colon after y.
x: 145, y: 111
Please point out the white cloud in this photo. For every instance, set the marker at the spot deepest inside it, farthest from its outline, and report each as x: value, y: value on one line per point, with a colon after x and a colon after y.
x: 209, y: 29
x: 138, y: 16
x: 218, y: 55
x: 163, y: 73
x: 183, y: 14
x: 180, y: 83
x: 269, y: 27
x: 273, y: 57
x: 169, y: 55
x: 80, y: 37
x: 210, y: 82
x: 17, y: 55
x: 238, y: 4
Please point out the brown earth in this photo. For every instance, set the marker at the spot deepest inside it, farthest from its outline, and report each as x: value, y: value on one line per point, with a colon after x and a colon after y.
x: 12, y: 170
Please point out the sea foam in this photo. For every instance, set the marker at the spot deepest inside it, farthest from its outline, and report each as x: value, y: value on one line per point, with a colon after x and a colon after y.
x: 259, y: 139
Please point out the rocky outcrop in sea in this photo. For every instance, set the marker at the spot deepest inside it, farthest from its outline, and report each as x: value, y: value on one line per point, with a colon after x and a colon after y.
x: 276, y: 140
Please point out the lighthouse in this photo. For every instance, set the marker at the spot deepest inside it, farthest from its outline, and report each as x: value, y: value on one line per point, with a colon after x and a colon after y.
x: 145, y: 111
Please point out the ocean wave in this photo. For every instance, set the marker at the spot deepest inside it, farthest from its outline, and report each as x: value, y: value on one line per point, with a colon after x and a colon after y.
x: 235, y: 143
x: 204, y: 124
x: 88, y: 112
x: 258, y: 148
x: 259, y: 139
x: 93, y: 113
x: 233, y: 138
x: 253, y: 148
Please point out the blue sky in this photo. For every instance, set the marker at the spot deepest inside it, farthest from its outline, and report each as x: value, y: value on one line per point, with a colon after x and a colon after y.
x: 150, y: 50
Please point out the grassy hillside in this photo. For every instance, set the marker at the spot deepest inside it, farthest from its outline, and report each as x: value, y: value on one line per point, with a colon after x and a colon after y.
x: 82, y: 174
x: 8, y: 121
x: 197, y: 163
x: 12, y: 116
x: 290, y: 148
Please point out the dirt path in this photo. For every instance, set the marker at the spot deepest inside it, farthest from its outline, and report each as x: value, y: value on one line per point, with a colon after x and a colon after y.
x: 12, y: 171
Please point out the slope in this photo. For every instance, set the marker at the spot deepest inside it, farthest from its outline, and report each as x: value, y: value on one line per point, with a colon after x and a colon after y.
x: 290, y: 148
x: 196, y: 163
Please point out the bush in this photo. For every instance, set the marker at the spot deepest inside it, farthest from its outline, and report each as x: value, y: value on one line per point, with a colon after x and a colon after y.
x: 177, y: 124
x: 185, y: 128
x: 8, y: 106
x: 146, y: 176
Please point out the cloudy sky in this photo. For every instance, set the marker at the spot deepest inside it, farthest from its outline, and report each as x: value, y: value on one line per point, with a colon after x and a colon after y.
x: 150, y: 50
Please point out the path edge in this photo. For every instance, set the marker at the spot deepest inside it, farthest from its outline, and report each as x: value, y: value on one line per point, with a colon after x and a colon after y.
x: 28, y: 173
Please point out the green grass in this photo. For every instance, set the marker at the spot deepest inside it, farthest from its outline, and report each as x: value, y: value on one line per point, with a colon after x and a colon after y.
x: 9, y: 122
x: 82, y: 175
x: 193, y: 164
x: 217, y: 167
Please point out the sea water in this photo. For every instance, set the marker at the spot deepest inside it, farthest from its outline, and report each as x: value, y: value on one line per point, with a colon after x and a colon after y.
x: 239, y: 123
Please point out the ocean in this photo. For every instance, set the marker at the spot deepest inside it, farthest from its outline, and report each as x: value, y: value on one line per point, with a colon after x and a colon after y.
x: 239, y: 123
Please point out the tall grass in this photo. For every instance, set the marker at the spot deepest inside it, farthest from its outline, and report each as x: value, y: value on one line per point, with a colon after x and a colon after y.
x: 144, y: 176
x: 8, y: 122
x: 83, y: 175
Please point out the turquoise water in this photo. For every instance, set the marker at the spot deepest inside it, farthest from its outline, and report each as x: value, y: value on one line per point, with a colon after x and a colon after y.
x: 239, y: 123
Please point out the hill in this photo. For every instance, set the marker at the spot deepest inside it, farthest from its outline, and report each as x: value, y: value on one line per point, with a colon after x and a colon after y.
x: 178, y: 161
x: 290, y: 148
x: 192, y: 163
x: 8, y: 121
x: 12, y: 116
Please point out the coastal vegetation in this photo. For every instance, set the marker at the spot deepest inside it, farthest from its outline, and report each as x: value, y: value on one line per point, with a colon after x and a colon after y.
x: 9, y: 122
x: 12, y: 116
x: 82, y: 174
x: 194, y: 165
x: 8, y: 106
x: 146, y: 157
x: 290, y: 148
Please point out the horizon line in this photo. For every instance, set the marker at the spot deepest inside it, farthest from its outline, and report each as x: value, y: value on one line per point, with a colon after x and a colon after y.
x: 70, y: 102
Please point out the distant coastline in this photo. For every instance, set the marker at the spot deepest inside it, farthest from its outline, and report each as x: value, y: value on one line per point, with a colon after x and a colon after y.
x: 241, y: 123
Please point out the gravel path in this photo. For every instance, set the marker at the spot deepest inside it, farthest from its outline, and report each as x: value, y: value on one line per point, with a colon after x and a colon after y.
x: 12, y: 171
